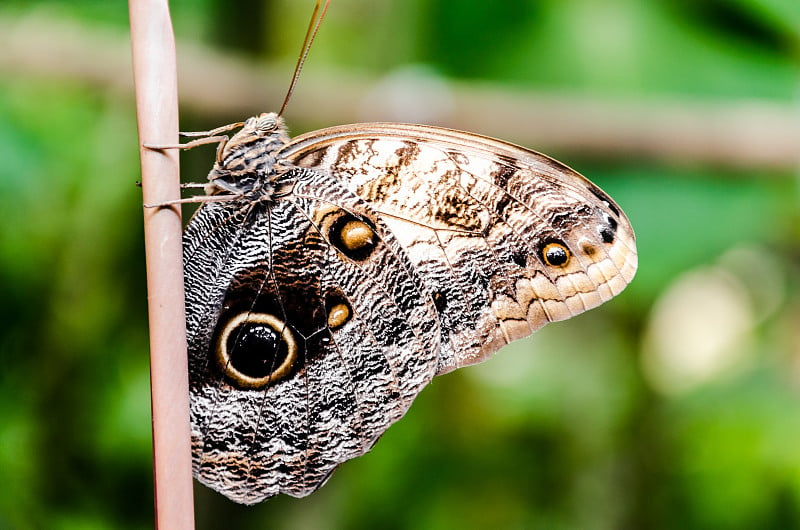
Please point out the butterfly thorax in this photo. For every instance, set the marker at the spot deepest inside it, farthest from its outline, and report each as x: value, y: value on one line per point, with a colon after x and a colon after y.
x: 246, y: 163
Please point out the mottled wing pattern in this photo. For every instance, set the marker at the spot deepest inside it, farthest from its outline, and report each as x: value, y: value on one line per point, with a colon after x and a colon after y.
x: 352, y: 265
x: 504, y: 238
x: 359, y: 330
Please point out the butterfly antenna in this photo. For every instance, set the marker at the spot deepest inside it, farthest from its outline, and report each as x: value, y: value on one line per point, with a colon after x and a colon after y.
x: 311, y: 32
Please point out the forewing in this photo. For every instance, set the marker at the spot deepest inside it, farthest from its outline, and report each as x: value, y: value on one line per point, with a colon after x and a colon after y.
x: 483, y: 221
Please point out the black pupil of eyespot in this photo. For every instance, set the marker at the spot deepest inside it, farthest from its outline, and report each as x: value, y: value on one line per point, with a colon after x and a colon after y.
x: 256, y: 350
x: 556, y: 255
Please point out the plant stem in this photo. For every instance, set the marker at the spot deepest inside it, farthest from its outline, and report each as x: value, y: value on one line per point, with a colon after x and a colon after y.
x: 155, y: 79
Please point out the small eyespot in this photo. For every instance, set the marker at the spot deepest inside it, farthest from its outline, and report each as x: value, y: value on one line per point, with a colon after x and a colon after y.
x: 338, y: 310
x: 256, y: 349
x: 555, y: 254
x: 353, y: 237
x: 338, y: 316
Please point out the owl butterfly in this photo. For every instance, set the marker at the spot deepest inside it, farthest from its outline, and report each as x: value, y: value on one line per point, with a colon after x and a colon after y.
x: 331, y: 276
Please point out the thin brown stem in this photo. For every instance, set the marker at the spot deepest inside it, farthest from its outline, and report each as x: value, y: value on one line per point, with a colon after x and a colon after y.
x: 155, y: 77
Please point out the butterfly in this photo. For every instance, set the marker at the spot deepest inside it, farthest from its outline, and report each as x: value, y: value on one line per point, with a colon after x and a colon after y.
x: 331, y: 276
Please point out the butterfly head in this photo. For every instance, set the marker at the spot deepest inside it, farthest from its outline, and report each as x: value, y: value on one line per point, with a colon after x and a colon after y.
x: 246, y: 162
x: 264, y: 125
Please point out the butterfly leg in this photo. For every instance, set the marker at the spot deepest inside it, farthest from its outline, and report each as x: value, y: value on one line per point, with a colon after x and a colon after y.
x: 194, y: 199
x: 203, y: 137
x: 212, y: 132
x: 220, y: 140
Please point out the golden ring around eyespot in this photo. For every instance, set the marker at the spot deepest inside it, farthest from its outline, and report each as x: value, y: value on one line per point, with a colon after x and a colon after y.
x: 556, y: 254
x: 244, y: 380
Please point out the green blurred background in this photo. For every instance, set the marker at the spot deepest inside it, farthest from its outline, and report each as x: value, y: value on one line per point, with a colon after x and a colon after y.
x: 673, y: 406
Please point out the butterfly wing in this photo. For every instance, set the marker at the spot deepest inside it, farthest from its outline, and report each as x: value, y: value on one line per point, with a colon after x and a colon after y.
x: 504, y: 238
x: 309, y: 333
x: 315, y: 316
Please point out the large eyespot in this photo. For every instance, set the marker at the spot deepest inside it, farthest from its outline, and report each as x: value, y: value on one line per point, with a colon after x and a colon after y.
x: 256, y: 349
x: 555, y: 254
x: 353, y: 237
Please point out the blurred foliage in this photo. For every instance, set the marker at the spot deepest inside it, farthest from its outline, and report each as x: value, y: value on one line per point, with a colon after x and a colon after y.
x: 588, y: 424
